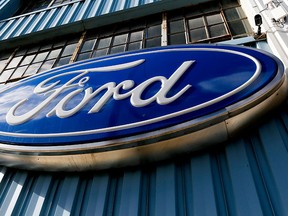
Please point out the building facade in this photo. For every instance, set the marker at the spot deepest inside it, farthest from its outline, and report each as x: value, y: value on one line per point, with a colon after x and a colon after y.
x: 245, y: 175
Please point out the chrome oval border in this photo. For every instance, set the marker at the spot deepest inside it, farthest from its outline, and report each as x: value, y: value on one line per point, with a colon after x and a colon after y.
x: 154, y: 146
x: 161, y: 118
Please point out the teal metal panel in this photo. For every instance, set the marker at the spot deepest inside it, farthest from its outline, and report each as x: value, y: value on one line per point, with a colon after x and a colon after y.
x: 83, y: 14
x: 165, y: 190
x: 8, y: 8
x: 245, y: 176
x: 202, y: 203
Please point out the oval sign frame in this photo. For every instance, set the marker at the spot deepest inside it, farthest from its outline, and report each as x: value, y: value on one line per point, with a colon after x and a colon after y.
x: 213, y: 125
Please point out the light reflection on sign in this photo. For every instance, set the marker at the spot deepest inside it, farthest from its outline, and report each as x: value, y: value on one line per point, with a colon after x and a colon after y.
x: 132, y: 95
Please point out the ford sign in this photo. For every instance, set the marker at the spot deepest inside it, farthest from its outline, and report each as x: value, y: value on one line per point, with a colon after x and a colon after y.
x: 136, y: 104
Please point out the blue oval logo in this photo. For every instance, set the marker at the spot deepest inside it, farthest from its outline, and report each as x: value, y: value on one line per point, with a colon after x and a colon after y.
x: 131, y: 93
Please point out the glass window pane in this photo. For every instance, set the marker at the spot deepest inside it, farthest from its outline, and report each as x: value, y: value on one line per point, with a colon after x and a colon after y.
x: 4, y: 55
x: 211, y: 6
x: 40, y: 57
x: 196, y: 23
x: 2, y: 64
x: 237, y: 28
x: 229, y: 2
x: 198, y: 34
x: 46, y: 47
x: 69, y: 49
x: 135, y: 46
x: 54, y: 54
x: 217, y: 30
x: 33, y: 49
x: 101, y: 52
x: 138, y: 24
x: 47, y: 65
x: 63, y: 61
x: 18, y: 72
x: 88, y: 45
x: 176, y: 26
x: 154, y: 20
x: 5, y: 75
x: 135, y: 36
x: 14, y: 62
x: 232, y: 14
x: 122, y: 29
x: 177, y: 39
x: 27, y: 60
x: 104, y: 42
x: 83, y: 56
x: 59, y: 44
x: 32, y: 69
x: 117, y: 49
x: 120, y: 39
x: 214, y: 19
x: 154, y: 31
x: 153, y: 42
x: 175, y: 15
x: 21, y: 52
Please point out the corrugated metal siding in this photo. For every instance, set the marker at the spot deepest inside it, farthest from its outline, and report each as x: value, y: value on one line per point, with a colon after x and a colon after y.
x: 8, y: 8
x: 3, y: 3
x: 61, y: 15
x: 247, y: 176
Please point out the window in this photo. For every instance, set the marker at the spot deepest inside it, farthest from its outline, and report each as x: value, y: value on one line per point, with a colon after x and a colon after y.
x: 31, y: 60
x: 57, y: 2
x: 212, y: 22
x: 31, y: 5
x: 67, y: 51
x: 3, y: 63
x: 130, y: 36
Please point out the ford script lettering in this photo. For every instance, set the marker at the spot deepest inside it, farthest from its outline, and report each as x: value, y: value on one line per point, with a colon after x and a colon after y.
x: 112, y: 90
x: 137, y: 106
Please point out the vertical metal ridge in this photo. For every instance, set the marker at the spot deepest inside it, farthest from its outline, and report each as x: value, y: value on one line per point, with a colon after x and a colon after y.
x: 66, y: 195
x: 107, y: 7
x: 120, y: 5
x: 60, y: 16
x: 273, y: 160
x: 111, y: 205
x: 36, y: 194
x: 70, y: 13
x: 84, y: 9
x: 246, y: 199
x: 3, y: 3
x: 204, y: 199
x: 36, y: 22
x: 12, y: 193
x: 219, y: 191
x: 130, y: 194
x: 24, y: 25
x: 76, y: 12
x: 48, y: 18
x: 5, y: 27
x: 13, y: 28
x: 165, y: 197
x: 94, y: 8
x: 113, y: 6
x: 259, y: 179
x: 96, y: 195
x: 239, y: 178
x: 283, y: 128
x: 134, y: 3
